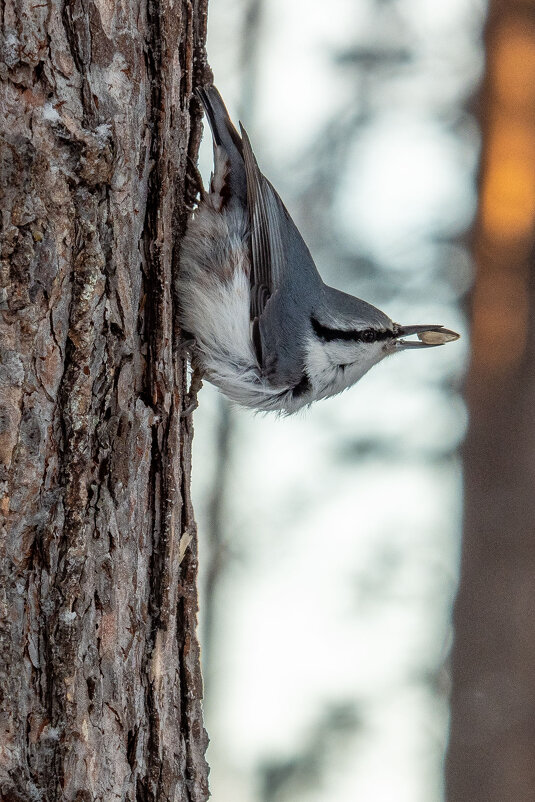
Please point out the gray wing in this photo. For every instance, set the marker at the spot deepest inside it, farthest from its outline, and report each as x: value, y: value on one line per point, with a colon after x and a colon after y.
x: 267, y: 216
x: 284, y: 280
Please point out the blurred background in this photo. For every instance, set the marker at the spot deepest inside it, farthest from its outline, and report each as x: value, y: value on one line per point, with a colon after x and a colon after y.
x: 400, y: 134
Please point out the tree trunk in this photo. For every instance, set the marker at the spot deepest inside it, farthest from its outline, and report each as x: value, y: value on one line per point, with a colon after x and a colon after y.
x: 492, y: 744
x: 100, y: 686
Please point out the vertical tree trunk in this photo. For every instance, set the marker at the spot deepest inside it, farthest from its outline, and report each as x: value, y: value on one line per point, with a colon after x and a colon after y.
x: 492, y: 745
x: 100, y: 687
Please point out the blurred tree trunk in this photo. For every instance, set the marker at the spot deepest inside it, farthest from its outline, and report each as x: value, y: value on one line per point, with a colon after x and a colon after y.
x: 492, y: 743
x: 100, y: 686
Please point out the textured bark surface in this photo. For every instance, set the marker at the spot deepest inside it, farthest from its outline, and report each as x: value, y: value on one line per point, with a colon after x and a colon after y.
x: 100, y: 686
x: 492, y: 742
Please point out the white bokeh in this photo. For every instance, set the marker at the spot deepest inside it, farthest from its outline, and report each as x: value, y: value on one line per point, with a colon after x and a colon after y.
x: 342, y: 561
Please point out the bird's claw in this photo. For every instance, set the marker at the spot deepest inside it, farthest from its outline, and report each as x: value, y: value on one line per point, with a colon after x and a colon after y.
x: 186, y: 343
x: 191, y: 397
x: 194, y: 184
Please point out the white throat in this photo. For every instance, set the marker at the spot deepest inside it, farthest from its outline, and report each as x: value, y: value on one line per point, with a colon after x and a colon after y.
x: 334, y: 366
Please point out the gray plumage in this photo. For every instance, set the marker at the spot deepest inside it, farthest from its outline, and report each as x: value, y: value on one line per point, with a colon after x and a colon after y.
x: 268, y: 332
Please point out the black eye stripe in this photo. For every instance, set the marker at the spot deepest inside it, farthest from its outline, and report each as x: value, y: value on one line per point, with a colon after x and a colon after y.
x: 353, y: 335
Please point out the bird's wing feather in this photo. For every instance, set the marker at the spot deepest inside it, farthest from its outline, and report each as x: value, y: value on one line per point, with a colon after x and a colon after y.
x: 268, y: 219
x: 284, y: 280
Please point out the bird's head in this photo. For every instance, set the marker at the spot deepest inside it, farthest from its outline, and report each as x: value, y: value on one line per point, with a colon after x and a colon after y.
x: 347, y: 341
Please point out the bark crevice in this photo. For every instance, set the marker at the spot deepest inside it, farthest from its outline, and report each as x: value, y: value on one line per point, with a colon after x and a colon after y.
x: 100, y: 687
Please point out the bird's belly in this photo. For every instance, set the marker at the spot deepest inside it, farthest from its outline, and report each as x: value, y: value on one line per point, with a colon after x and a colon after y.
x: 216, y: 312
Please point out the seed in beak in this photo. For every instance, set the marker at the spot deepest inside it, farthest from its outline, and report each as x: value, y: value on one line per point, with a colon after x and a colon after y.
x: 438, y: 337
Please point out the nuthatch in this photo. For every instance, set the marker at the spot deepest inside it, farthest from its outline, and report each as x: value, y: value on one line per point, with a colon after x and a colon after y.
x: 267, y: 331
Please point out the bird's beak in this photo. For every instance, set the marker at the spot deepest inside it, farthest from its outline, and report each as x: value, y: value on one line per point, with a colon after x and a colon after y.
x: 428, y: 336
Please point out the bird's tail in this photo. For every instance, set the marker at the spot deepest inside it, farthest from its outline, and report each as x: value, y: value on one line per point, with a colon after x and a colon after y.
x: 226, y: 136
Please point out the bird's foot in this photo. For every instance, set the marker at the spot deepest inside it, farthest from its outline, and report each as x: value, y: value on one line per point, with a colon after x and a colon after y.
x: 187, y: 342
x: 195, y: 191
x: 194, y: 387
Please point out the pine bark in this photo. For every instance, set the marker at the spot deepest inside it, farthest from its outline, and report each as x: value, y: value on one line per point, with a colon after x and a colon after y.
x: 100, y: 684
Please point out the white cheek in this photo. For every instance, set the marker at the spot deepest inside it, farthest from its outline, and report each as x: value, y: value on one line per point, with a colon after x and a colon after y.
x: 321, y: 368
x: 324, y: 361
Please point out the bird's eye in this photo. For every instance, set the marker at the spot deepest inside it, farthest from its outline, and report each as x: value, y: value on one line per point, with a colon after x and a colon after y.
x: 368, y: 335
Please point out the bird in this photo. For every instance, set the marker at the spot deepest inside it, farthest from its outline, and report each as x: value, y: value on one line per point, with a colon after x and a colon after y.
x: 263, y: 326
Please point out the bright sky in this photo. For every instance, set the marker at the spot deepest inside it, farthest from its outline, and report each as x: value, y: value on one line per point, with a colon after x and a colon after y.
x: 347, y: 567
